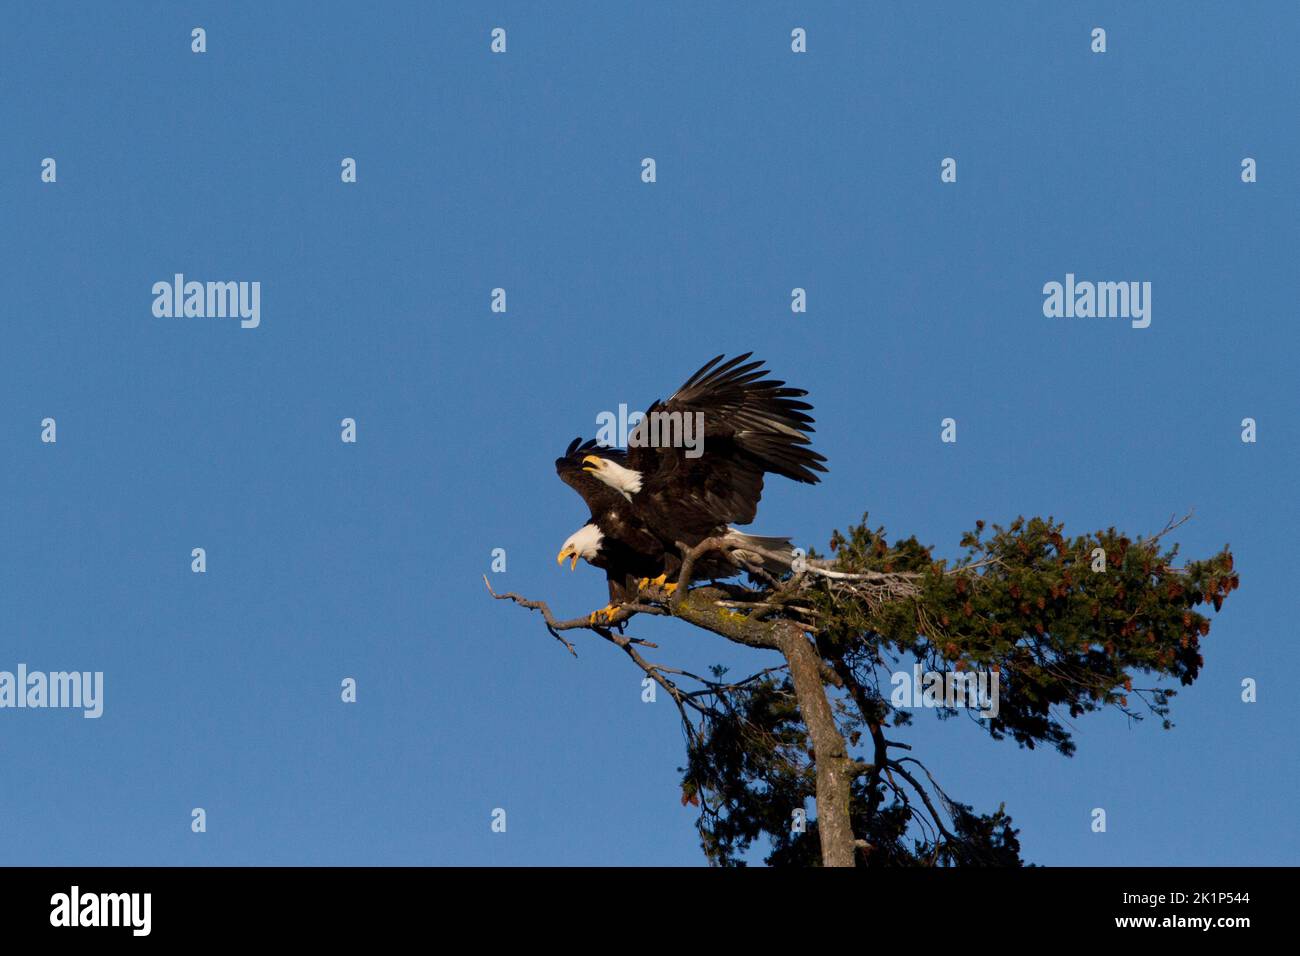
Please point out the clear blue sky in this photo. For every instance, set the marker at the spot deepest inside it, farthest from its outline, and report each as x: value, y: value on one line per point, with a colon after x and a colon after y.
x: 475, y: 171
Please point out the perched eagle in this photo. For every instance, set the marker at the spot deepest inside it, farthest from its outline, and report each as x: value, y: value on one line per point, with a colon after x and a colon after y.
x: 663, y: 489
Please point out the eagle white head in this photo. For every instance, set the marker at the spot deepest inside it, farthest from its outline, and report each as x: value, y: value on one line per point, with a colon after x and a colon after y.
x: 583, y: 543
x: 626, y: 481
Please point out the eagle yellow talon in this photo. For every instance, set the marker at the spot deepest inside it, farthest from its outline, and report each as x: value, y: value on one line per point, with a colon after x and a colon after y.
x: 659, y: 582
x: 607, y: 612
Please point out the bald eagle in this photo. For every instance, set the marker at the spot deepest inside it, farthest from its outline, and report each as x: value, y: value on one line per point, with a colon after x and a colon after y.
x: 663, y: 490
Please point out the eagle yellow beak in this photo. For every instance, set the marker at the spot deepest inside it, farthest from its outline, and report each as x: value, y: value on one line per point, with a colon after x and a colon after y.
x: 568, y: 552
x: 594, y: 462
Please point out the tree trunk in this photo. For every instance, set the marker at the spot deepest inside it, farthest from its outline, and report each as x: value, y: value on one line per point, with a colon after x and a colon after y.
x: 829, y: 750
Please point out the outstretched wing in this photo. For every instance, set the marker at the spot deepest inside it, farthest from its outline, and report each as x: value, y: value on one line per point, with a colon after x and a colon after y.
x: 752, y: 425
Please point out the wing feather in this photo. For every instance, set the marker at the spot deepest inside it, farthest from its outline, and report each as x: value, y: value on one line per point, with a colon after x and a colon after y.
x: 753, y: 425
